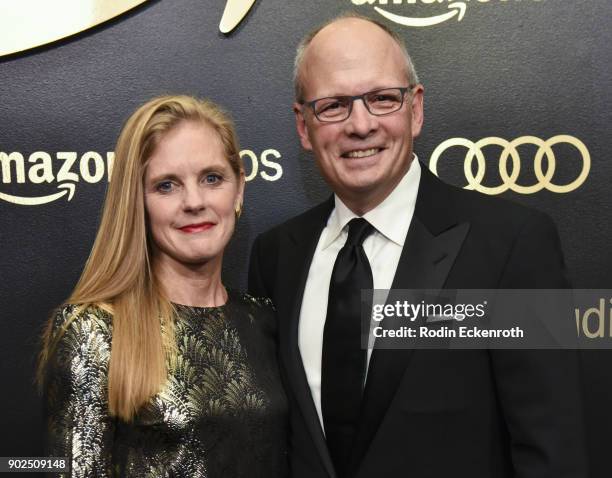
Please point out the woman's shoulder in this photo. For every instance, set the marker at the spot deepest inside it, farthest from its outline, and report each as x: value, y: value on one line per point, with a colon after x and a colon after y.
x: 259, y: 310
x: 261, y: 305
x: 79, y: 320
x: 255, y: 316
x: 79, y: 344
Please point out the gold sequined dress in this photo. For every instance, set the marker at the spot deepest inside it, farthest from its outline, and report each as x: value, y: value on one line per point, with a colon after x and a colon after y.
x: 223, y: 412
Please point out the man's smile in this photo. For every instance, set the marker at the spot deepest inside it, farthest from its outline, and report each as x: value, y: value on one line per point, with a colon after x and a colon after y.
x: 361, y: 153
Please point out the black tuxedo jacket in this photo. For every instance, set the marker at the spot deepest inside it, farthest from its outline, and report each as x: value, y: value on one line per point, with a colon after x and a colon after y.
x: 440, y: 413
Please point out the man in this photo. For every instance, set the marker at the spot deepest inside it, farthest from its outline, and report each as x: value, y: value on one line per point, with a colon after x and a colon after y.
x: 398, y: 413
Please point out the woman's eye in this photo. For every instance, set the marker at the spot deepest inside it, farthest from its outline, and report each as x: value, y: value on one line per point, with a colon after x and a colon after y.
x: 165, y: 186
x: 212, y: 179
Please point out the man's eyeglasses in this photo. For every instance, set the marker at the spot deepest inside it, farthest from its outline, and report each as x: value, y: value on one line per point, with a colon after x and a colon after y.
x: 378, y: 102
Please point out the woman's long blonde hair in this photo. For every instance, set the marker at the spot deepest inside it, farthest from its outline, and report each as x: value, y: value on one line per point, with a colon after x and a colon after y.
x: 118, y: 275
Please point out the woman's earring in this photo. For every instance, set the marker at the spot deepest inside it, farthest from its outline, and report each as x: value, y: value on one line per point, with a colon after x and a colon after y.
x: 238, y: 210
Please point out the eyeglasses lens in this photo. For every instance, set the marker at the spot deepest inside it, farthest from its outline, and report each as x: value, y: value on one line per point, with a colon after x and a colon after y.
x: 379, y: 102
x: 383, y: 101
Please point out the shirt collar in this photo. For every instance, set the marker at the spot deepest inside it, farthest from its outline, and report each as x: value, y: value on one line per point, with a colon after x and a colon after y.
x: 384, y: 217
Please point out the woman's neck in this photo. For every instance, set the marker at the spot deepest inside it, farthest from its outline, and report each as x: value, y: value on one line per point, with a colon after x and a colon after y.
x: 195, y: 285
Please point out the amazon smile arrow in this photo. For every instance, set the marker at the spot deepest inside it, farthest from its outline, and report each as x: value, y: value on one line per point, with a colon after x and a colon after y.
x: 458, y: 9
x: 68, y: 188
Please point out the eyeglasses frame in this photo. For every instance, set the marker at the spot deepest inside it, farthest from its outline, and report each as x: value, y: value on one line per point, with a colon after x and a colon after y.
x: 403, y: 90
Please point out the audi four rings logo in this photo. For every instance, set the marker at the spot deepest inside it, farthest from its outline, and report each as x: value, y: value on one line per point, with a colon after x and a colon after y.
x: 509, y: 170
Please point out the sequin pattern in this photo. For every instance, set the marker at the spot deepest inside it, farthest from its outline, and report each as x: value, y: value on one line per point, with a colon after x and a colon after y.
x: 222, y: 412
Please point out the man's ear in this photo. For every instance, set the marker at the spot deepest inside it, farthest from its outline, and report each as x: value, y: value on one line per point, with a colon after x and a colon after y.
x: 302, y: 128
x: 417, y: 110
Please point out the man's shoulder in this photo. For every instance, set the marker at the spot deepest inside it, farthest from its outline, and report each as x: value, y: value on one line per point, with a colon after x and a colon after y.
x: 304, y: 223
x: 282, y: 245
x: 485, y: 207
x: 477, y: 208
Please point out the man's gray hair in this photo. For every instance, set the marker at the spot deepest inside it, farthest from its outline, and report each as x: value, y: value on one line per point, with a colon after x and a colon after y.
x: 411, y: 74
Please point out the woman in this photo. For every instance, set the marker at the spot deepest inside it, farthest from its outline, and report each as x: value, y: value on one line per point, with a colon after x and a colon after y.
x: 152, y: 368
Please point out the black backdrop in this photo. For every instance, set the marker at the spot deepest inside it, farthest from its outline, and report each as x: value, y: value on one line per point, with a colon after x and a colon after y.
x: 509, y: 69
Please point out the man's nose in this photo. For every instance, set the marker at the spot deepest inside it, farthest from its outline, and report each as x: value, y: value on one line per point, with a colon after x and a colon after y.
x: 361, y: 122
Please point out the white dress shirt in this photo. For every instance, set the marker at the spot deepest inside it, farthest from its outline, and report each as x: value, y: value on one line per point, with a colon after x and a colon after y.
x: 391, y: 220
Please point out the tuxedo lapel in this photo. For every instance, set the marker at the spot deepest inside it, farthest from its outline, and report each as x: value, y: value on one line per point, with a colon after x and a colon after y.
x: 430, y: 249
x: 300, y: 246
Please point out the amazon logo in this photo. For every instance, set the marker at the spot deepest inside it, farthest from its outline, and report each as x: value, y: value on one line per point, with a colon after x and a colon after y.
x: 454, y: 11
x: 61, y: 173
x: 26, y: 24
x: 47, y: 177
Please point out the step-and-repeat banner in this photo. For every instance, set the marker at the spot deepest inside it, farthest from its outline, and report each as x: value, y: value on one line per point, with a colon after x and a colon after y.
x: 517, y: 104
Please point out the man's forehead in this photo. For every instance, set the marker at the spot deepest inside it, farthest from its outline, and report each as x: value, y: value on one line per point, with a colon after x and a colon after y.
x: 354, y: 53
x: 343, y: 35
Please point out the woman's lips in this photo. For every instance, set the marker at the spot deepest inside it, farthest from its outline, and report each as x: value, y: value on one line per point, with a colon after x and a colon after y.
x: 191, y: 228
